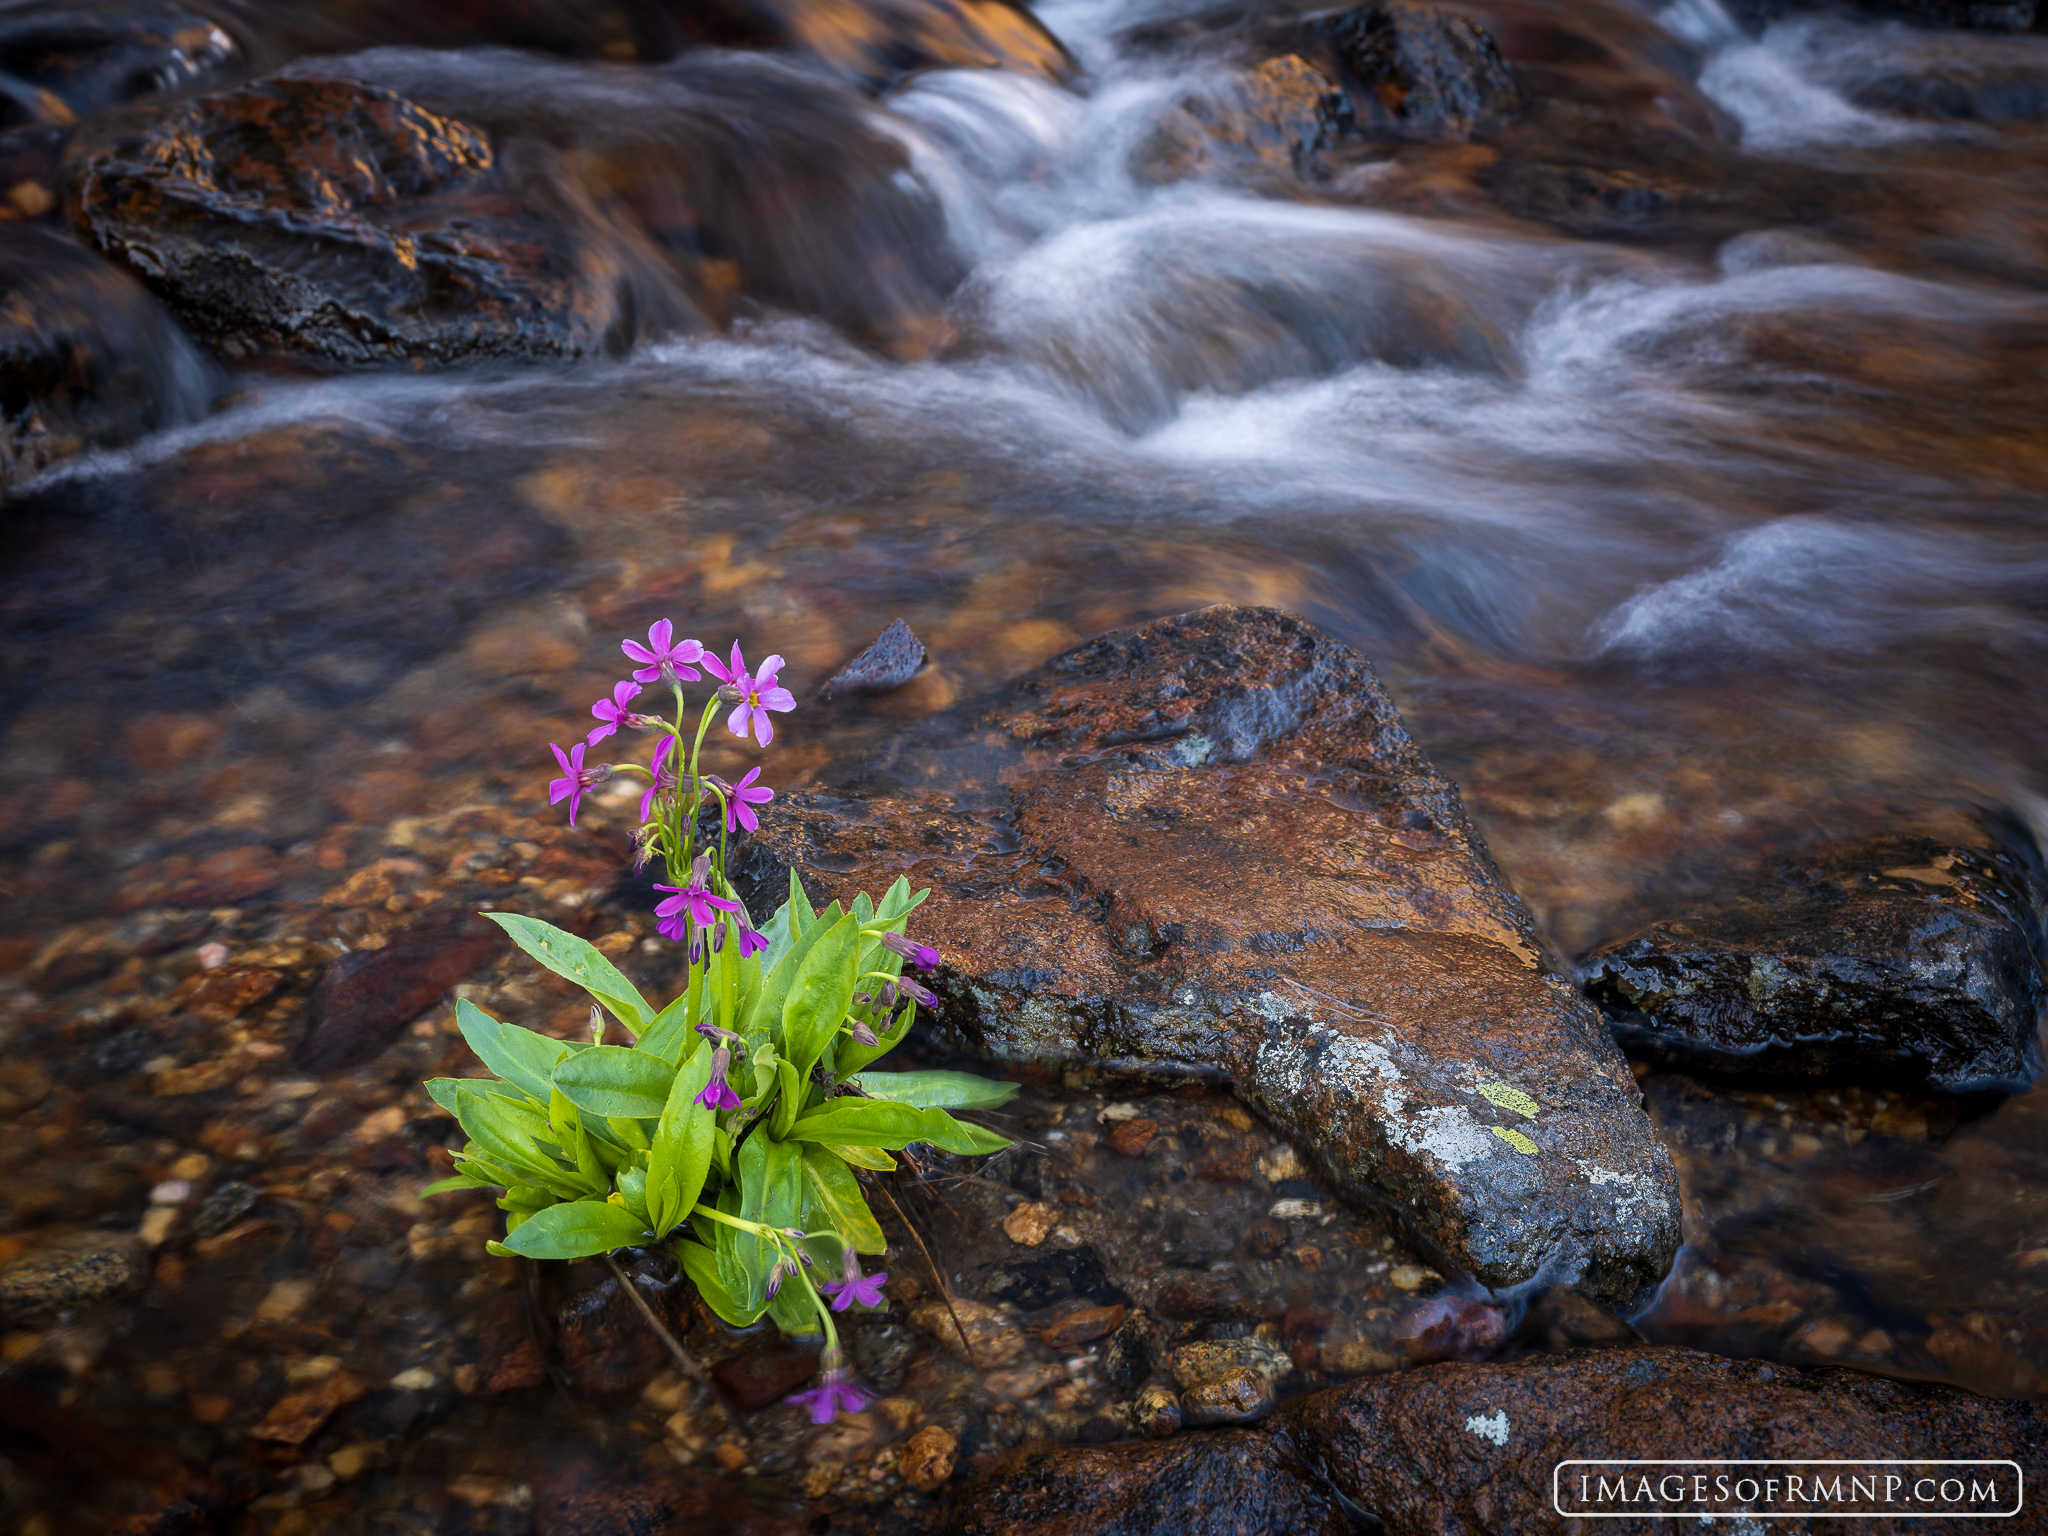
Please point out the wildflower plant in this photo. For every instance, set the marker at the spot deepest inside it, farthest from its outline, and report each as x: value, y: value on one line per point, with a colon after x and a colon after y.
x: 735, y: 1126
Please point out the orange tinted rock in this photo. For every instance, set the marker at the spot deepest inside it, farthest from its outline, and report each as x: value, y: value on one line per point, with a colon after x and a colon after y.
x: 1222, y: 850
x: 1132, y: 1137
x: 927, y: 1458
x: 1082, y: 1327
x: 297, y: 1416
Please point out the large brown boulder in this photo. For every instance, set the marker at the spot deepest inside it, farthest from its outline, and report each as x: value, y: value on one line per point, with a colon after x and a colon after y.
x: 1900, y: 960
x: 1454, y: 1449
x: 1212, y: 847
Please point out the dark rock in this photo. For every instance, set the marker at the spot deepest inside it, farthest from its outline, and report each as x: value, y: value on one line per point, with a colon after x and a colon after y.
x: 67, y: 1271
x: 606, y: 1348
x: 224, y: 1205
x: 881, y: 1354
x: 1127, y: 1357
x: 1247, y: 1483
x: 1041, y: 1279
x: 365, y: 998
x: 1470, y: 1450
x: 759, y: 1377
x: 509, y: 1357
x: 1276, y: 117
x: 339, y: 222
x: 1214, y: 848
x: 87, y: 357
x: 893, y: 659
x: 1990, y: 93
x: 1895, y: 961
x: 1447, y: 1327
x: 29, y: 174
x: 578, y: 1497
x: 1967, y: 15
x: 1422, y: 73
x: 61, y: 60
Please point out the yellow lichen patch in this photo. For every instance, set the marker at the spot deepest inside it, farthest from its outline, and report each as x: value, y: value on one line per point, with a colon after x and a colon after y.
x: 1509, y: 1098
x: 1516, y: 1139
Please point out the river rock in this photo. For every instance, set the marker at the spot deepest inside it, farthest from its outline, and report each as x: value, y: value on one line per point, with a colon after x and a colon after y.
x: 1212, y: 848
x: 1422, y: 73
x: 68, y: 1271
x: 1469, y: 1450
x: 892, y: 659
x: 1895, y: 961
x: 1275, y: 117
x: 61, y: 60
x: 87, y: 357
x: 1965, y: 15
x: 365, y: 998
x: 339, y: 222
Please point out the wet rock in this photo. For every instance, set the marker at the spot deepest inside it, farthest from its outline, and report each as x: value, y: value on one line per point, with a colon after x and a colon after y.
x: 365, y: 998
x: 1276, y: 118
x: 761, y: 1376
x: 1083, y: 1326
x: 607, y: 1350
x: 893, y: 659
x: 1422, y: 73
x: 1216, y: 849
x: 990, y: 1338
x: 1470, y: 1449
x: 1235, y: 1397
x: 61, y: 60
x: 1451, y: 1328
x: 1030, y: 1222
x: 882, y: 1352
x: 87, y: 357
x: 1247, y: 1483
x: 1900, y: 961
x: 880, y: 41
x: 1967, y: 15
x: 508, y: 1355
x: 927, y: 1458
x: 1358, y: 1357
x: 1132, y: 1137
x: 224, y: 1205
x: 1039, y: 1280
x: 339, y: 222
x: 1192, y: 1364
x: 297, y: 1416
x: 68, y: 1271
x: 1986, y: 93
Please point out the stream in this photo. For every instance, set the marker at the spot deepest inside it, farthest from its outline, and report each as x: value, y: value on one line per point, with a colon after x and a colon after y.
x: 1673, y: 451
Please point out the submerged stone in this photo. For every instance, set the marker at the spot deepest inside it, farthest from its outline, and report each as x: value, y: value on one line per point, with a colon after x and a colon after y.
x: 1275, y: 117
x: 1214, y: 849
x: 1423, y: 73
x: 1896, y: 961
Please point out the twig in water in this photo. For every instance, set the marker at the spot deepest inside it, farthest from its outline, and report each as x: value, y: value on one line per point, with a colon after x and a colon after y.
x: 683, y: 1357
x: 945, y: 1289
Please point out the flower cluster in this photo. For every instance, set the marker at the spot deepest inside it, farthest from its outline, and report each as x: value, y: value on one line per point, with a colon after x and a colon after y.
x: 677, y: 788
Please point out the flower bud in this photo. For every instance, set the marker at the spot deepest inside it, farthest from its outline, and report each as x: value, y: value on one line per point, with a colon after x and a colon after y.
x: 718, y: 939
x: 643, y: 722
x: 861, y: 1033
x: 727, y: 694
x: 774, y: 1278
x: 910, y: 989
x: 596, y: 1025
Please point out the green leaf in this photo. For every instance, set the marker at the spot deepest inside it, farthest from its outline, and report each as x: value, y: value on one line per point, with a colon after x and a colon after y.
x: 819, y: 993
x: 516, y: 1136
x: 899, y: 902
x: 788, y: 1101
x: 452, y: 1092
x: 833, y: 1197
x: 853, y: 1056
x: 578, y: 960
x: 801, y: 913
x: 772, y: 1193
x: 937, y: 1090
x: 880, y: 1123
x: 670, y: 1036
x: 775, y: 984
x: 633, y: 1190
x: 615, y: 1081
x: 862, y: 1157
x: 576, y: 1229
x: 683, y: 1143
x: 521, y: 1057
x: 701, y: 1265
x: 792, y: 1312
x: 455, y: 1181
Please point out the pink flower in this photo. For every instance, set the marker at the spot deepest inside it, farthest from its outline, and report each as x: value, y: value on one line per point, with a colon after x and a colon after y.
x: 740, y: 800
x: 923, y: 956
x: 662, y: 779
x: 575, y: 777
x: 696, y: 898
x: 836, y: 1391
x: 718, y: 1092
x: 856, y: 1287
x: 612, y: 712
x: 756, y: 694
x: 664, y: 661
x: 751, y: 943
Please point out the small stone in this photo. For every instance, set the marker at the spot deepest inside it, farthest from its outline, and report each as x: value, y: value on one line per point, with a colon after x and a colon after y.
x: 211, y: 957
x: 1295, y: 1210
x: 1024, y: 1383
x: 1156, y: 1412
x: 900, y: 1413
x: 1082, y: 1327
x: 1192, y: 1364
x: 991, y: 1338
x: 1411, y: 1277
x: 1236, y: 1116
x: 1236, y: 1397
x: 1279, y: 1162
x: 69, y: 1271
x: 1451, y: 1328
x: 731, y: 1455
x: 418, y: 1379
x: 156, y: 1226
x: 296, y: 1417
x: 1358, y: 1357
x: 192, y: 1166
x: 1132, y: 1137
x: 759, y: 1377
x: 1308, y: 1256
x: 285, y: 1300
x: 1827, y: 1338
x: 892, y: 660
x: 927, y: 1459
x: 1111, y: 1113
x: 1029, y: 1224
x: 312, y: 1368
x: 352, y: 1461
x: 1265, y: 1237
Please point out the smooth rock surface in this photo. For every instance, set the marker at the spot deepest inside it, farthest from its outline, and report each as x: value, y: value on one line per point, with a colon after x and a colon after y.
x: 1455, y: 1449
x: 1896, y: 961
x: 1213, y: 848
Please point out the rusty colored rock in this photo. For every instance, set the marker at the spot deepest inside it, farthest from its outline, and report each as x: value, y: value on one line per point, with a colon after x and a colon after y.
x: 1275, y: 117
x: 892, y: 659
x: 1221, y: 851
x: 1469, y: 1450
x: 297, y: 1416
x: 1082, y: 1327
x: 927, y: 1458
x: 1235, y: 1397
x: 1030, y: 1222
x: 1132, y: 1137
x: 1357, y: 1357
x: 365, y: 998
x: 220, y: 203
x: 229, y: 992
x: 607, y: 1350
x: 508, y: 1356
x: 759, y: 1377
x: 1898, y: 961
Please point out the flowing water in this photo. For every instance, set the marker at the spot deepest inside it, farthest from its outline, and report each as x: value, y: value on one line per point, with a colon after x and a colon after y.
x: 1681, y: 540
